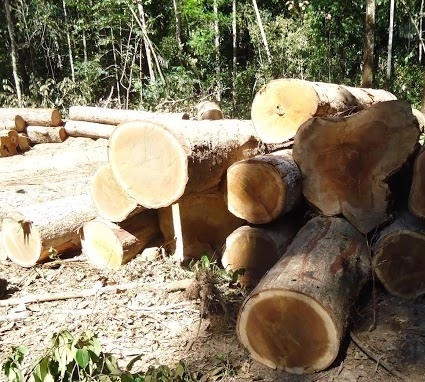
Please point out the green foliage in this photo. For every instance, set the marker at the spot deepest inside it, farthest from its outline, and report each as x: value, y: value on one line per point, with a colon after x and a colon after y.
x: 12, y: 366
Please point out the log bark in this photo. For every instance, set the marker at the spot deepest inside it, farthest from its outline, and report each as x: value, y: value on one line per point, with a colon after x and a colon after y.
x: 346, y: 161
x: 281, y: 106
x: 157, y: 165
x: 30, y: 234
x: 108, y: 245
x: 117, y: 116
x: 111, y: 201
x: 399, y: 258
x: 88, y: 129
x: 208, y: 110
x: 46, y: 134
x: 33, y: 116
x: 296, y: 316
x: 262, y: 188
x: 416, y: 201
x: 201, y: 227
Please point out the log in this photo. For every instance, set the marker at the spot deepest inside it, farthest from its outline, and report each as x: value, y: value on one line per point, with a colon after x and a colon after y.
x: 117, y: 116
x: 24, y: 143
x: 13, y: 136
x: 7, y: 149
x: 13, y: 123
x: 208, y: 110
x: 281, y: 106
x: 111, y: 201
x: 157, y: 164
x: 31, y: 233
x: 399, y: 258
x: 416, y: 200
x: 46, y: 134
x: 346, y: 161
x: 34, y: 116
x: 255, y: 249
x: 202, y: 225
x: 420, y: 117
x: 88, y: 129
x: 261, y: 189
x: 108, y: 245
x: 296, y: 316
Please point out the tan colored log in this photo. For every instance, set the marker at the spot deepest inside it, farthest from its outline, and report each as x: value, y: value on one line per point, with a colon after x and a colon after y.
x: 262, y: 188
x: 24, y: 143
x: 296, y: 316
x: 88, y: 129
x: 117, y: 116
x: 7, y: 149
x: 203, y: 224
x: 34, y: 116
x: 46, y: 134
x: 256, y: 249
x: 208, y: 110
x: 157, y: 165
x: 399, y: 257
x: 421, y: 119
x: 416, y: 201
x: 281, y: 106
x: 111, y: 201
x: 7, y: 124
x: 346, y: 161
x: 31, y: 233
x: 108, y: 245
x: 13, y: 123
x: 13, y: 135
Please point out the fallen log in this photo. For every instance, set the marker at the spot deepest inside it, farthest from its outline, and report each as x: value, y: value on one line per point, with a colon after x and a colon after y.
x: 17, y: 123
x: 7, y: 149
x: 157, y: 165
x: 346, y: 161
x: 281, y: 106
x: 108, y: 245
x: 88, y: 129
x: 262, y: 188
x: 416, y: 200
x: 13, y: 136
x: 24, y: 143
x: 296, y: 316
x: 33, y: 116
x: 117, y: 116
x: 46, y: 134
x: 208, y: 110
x: 32, y: 233
x: 399, y: 258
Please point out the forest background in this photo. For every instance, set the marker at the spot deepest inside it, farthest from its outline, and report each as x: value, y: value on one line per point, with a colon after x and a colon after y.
x: 169, y: 55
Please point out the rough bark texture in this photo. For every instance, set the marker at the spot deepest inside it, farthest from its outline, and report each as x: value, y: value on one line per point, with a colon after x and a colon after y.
x: 88, y: 129
x: 346, y: 161
x: 208, y: 110
x: 46, y: 134
x: 399, y: 257
x: 157, y: 165
x: 262, y: 188
x: 282, y: 105
x: 296, y: 316
x: 34, y: 116
x: 416, y: 202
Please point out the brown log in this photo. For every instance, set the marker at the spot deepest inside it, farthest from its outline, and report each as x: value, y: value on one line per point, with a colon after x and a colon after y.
x: 111, y: 201
x: 46, y: 134
x: 346, y: 161
x: 13, y: 135
x: 13, y: 123
x: 200, y: 223
x: 7, y: 149
x: 117, y: 116
x: 296, y: 316
x: 262, y: 188
x: 281, y: 106
x: 24, y: 143
x: 208, y: 110
x: 33, y: 116
x: 256, y: 249
x: 88, y: 129
x: 108, y: 245
x: 399, y: 257
x: 157, y: 165
x: 31, y: 233
x: 416, y: 201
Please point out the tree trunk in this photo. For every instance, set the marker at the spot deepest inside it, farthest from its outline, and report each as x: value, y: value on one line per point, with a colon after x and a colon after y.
x: 117, y: 116
x: 208, y: 110
x: 31, y: 233
x: 46, y: 134
x: 283, y: 105
x: 390, y: 41
x: 33, y: 116
x: 68, y: 39
x: 177, y: 18
x: 217, y: 52
x: 262, y: 188
x: 16, y: 123
x: 263, y: 34
x: 88, y: 129
x: 399, y: 258
x: 157, y: 165
x: 346, y: 162
x: 108, y: 245
x: 234, y: 56
x: 416, y: 201
x: 296, y: 316
x: 145, y: 41
x: 369, y: 45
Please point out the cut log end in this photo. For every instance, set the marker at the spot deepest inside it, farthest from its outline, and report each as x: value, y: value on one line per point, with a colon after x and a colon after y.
x: 276, y: 325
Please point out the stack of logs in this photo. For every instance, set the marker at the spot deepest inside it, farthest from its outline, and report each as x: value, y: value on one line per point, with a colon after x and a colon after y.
x: 321, y: 187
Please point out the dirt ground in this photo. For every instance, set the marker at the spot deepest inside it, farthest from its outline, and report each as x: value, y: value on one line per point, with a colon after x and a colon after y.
x: 140, y: 315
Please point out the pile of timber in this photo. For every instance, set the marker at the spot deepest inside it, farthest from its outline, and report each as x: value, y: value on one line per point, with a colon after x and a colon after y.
x: 322, y: 187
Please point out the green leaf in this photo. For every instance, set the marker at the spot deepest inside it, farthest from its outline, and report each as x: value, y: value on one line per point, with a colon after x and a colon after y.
x: 82, y: 357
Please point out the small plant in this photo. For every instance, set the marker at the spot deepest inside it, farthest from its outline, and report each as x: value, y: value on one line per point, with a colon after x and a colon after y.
x: 12, y: 366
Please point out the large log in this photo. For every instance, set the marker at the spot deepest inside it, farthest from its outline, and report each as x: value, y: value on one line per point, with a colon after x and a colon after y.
x: 262, y: 188
x: 157, y: 165
x: 416, y: 201
x: 346, y: 161
x: 117, y: 116
x: 296, y: 316
x: 281, y: 106
x: 208, y: 110
x: 399, y: 257
x: 88, y: 129
x: 46, y: 134
x: 17, y: 123
x: 33, y: 116
x: 108, y: 245
x: 31, y: 233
